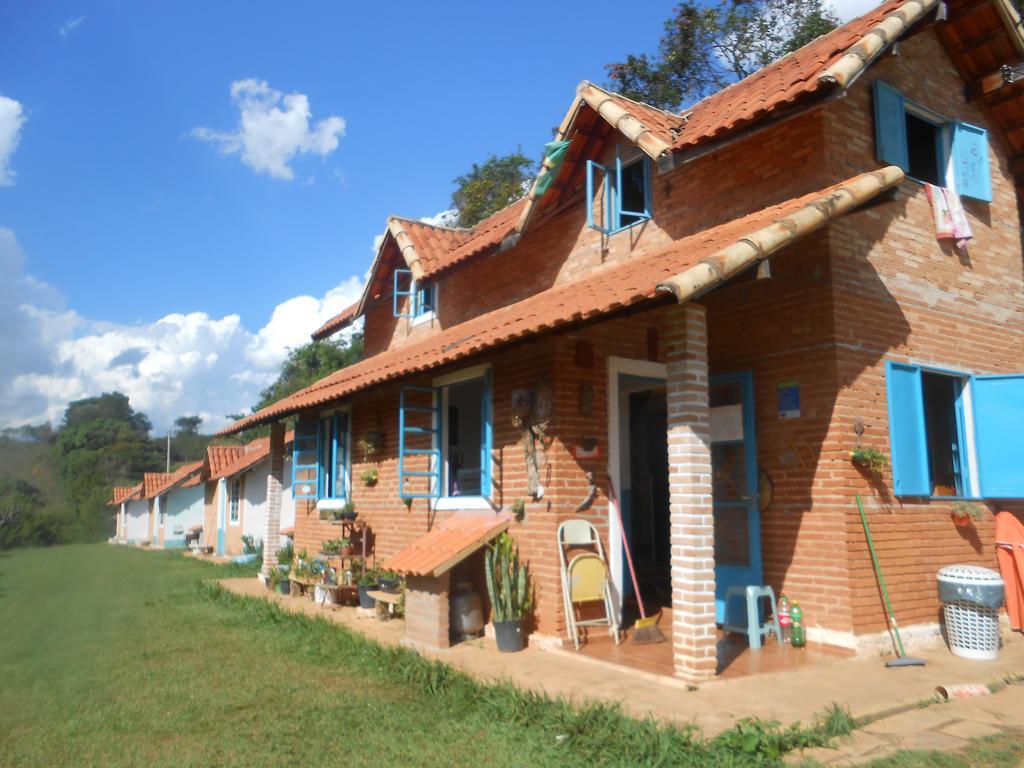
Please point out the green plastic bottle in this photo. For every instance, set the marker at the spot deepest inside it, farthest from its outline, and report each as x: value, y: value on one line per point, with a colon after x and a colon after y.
x: 798, y: 634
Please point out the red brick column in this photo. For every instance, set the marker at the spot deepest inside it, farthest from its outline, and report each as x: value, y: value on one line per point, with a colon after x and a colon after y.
x: 689, y: 466
x: 272, y: 531
x: 426, y: 612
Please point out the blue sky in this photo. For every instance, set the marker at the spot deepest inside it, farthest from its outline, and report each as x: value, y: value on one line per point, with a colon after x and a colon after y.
x: 147, y: 244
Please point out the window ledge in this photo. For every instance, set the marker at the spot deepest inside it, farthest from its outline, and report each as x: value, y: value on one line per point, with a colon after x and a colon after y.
x: 426, y: 317
x: 459, y: 503
x: 331, y: 504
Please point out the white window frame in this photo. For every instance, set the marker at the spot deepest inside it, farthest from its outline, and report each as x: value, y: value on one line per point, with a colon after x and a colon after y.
x: 426, y: 317
x: 237, y: 522
x: 459, y: 503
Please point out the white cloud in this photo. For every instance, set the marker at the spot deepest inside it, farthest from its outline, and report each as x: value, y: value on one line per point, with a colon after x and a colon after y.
x: 268, y: 137
x: 449, y: 218
x: 178, y: 364
x: 69, y: 26
x: 12, y: 117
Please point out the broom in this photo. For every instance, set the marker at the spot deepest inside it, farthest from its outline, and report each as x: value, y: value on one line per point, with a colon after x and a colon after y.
x: 903, y: 660
x: 645, y: 629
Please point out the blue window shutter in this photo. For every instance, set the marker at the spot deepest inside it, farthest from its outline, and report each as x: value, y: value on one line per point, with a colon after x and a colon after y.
x: 999, y: 434
x: 341, y: 455
x: 399, y: 293
x: 890, y: 126
x: 907, y: 439
x: 646, y: 164
x: 306, y: 459
x: 418, y: 425
x: 487, y: 438
x: 603, y: 177
x: 970, y: 162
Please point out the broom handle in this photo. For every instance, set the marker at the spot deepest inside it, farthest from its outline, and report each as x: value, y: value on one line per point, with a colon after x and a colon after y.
x: 881, y: 578
x: 625, y: 546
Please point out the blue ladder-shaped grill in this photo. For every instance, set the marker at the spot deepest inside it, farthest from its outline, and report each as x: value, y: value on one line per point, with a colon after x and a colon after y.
x: 413, y: 436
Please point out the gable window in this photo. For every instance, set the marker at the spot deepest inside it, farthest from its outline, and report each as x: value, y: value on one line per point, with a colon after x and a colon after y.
x: 626, y: 191
x: 445, y: 439
x: 235, y: 501
x: 930, y: 148
x: 954, y: 434
x: 320, y: 458
x: 416, y: 301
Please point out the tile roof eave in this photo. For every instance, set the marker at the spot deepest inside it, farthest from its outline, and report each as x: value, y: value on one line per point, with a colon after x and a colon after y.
x: 606, y: 291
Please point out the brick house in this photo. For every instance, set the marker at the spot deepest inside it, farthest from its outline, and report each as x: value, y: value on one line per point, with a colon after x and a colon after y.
x: 234, y: 496
x: 692, y: 316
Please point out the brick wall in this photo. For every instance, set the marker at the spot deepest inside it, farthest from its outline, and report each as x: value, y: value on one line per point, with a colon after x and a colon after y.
x: 901, y: 295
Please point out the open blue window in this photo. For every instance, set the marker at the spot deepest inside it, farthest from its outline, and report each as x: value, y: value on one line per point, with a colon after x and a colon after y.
x: 411, y: 299
x: 334, y: 456
x: 999, y: 432
x: 930, y: 148
x: 953, y: 434
x: 306, y: 460
x: 626, y: 196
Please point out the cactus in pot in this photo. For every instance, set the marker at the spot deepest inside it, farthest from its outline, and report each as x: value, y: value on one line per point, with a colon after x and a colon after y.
x: 508, y: 584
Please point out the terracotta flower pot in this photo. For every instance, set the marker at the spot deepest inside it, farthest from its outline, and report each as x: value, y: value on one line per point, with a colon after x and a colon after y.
x: 962, y: 521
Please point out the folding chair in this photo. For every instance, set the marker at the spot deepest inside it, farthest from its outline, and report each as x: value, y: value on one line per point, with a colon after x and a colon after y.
x: 584, y: 578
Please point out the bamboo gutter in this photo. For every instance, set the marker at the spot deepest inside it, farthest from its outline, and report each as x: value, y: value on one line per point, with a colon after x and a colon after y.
x: 758, y: 246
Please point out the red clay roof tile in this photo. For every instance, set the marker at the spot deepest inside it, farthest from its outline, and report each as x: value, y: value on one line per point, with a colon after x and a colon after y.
x: 448, y: 544
x: 605, y: 291
x: 336, y: 323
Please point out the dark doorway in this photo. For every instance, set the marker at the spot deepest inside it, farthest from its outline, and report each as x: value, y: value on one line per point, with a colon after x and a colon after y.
x: 647, y: 526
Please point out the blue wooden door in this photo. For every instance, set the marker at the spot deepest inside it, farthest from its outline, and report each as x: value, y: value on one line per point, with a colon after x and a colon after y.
x: 734, y: 488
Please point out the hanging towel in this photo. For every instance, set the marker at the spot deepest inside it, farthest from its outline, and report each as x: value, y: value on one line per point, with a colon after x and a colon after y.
x: 1010, y: 554
x: 948, y: 212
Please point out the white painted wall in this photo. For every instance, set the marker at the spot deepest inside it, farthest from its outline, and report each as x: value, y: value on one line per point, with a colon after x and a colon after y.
x: 184, y: 510
x: 254, y: 514
x: 138, y: 520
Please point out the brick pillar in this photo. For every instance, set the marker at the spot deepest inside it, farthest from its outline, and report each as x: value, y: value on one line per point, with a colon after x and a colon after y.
x: 272, y: 528
x: 689, y: 467
x: 426, y: 612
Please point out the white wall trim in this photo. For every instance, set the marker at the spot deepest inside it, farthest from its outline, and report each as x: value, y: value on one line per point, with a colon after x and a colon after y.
x: 630, y: 367
x: 459, y: 503
x: 466, y: 374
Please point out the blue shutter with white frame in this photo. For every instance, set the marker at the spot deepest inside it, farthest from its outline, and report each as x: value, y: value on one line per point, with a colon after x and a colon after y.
x: 306, y: 459
x: 907, y: 438
x: 595, y: 169
x: 400, y: 293
x: 339, y: 455
x: 970, y: 162
x: 998, y: 404
x: 890, y: 126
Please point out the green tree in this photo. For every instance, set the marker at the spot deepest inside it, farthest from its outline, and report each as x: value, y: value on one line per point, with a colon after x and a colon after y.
x: 705, y: 48
x: 102, y: 442
x: 311, y: 362
x: 489, y: 187
x: 23, y: 521
x: 188, y: 425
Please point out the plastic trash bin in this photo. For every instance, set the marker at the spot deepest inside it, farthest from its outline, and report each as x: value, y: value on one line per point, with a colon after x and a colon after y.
x: 971, y: 597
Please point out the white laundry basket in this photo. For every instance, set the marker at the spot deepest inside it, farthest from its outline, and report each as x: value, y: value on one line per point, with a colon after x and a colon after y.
x: 971, y: 597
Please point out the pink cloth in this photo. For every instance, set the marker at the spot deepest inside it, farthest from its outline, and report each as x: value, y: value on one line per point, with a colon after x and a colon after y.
x: 1010, y: 554
x: 948, y: 214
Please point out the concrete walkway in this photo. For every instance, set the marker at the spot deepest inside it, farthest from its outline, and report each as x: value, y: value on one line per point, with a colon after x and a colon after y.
x: 865, y: 686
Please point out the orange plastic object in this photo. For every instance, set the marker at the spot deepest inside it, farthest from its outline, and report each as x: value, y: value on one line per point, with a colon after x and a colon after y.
x: 1010, y: 553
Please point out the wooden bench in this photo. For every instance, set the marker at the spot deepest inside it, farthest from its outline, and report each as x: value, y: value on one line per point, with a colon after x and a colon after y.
x: 386, y: 602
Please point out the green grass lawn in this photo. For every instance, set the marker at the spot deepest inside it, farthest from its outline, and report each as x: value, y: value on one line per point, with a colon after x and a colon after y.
x: 112, y: 656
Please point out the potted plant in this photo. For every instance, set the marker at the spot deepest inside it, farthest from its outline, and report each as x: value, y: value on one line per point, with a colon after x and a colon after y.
x: 508, y: 584
x: 331, y: 546
x: 286, y: 556
x: 965, y: 514
x: 389, y: 582
x: 345, y: 548
x: 348, y: 512
x: 284, y: 585
x: 370, y: 476
x: 368, y: 581
x: 868, y: 459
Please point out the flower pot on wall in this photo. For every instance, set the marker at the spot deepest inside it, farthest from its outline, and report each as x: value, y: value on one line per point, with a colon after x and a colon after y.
x: 509, y: 635
x: 284, y: 587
